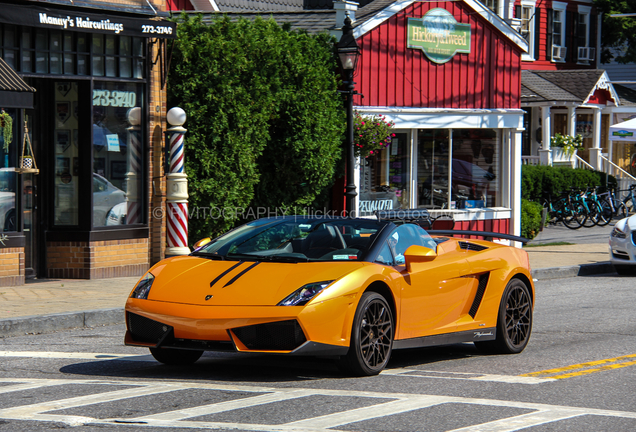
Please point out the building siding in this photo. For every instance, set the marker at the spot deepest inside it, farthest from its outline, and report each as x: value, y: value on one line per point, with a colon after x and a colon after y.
x: 392, y: 75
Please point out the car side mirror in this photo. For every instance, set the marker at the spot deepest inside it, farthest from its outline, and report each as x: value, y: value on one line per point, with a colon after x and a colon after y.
x: 202, y: 242
x: 418, y: 254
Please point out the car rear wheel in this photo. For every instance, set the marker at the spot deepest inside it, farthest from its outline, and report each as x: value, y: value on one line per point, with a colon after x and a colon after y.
x: 514, y: 322
x: 175, y: 357
x: 371, y: 337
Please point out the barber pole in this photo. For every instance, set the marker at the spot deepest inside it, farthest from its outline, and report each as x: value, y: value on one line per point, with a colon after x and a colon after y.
x: 177, y: 188
x: 133, y: 208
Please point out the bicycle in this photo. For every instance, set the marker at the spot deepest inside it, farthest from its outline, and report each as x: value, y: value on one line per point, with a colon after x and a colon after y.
x: 565, y: 210
x: 617, y: 207
x: 600, y: 213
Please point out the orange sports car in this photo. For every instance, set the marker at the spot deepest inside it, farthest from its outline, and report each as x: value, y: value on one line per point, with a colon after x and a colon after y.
x: 350, y: 289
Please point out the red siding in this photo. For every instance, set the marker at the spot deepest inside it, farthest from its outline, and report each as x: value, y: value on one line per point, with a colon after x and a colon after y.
x: 501, y: 226
x: 543, y: 61
x: 178, y: 5
x: 392, y: 75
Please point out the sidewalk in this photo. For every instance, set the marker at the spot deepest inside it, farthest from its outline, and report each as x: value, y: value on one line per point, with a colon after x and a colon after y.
x: 44, y: 306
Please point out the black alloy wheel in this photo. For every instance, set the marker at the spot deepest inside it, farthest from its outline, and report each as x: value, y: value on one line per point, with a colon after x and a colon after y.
x: 514, y: 323
x: 175, y: 357
x: 371, y: 337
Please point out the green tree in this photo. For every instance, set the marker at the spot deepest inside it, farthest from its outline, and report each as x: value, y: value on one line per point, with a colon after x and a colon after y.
x: 264, y: 117
x: 618, y: 35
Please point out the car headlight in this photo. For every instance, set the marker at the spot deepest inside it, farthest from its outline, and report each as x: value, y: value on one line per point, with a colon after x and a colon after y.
x: 142, y: 289
x: 618, y: 233
x: 302, y: 295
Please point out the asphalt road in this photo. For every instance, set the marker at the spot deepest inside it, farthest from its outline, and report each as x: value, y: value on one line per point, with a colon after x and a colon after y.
x: 577, y: 374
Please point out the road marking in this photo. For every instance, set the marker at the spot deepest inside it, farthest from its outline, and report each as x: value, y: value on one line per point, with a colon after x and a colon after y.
x: 511, y: 379
x: 401, y: 403
x: 76, y: 355
x: 585, y: 368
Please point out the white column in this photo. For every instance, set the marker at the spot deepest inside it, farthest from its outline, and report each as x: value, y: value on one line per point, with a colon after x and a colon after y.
x: 571, y: 121
x: 515, y: 183
x: 595, y: 151
x: 545, y: 153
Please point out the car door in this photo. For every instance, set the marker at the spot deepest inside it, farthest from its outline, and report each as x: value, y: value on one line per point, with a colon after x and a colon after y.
x: 434, y: 292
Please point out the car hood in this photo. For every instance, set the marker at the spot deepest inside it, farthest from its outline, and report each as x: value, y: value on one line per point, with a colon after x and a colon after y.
x: 189, y: 280
x: 627, y: 223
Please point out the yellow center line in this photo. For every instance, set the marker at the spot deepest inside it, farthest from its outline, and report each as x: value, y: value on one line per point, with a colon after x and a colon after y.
x: 585, y: 367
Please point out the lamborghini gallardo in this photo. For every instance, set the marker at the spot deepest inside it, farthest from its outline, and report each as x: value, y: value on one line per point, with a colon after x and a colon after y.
x: 345, y: 288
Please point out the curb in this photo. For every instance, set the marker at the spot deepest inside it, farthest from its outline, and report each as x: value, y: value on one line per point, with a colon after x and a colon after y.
x: 572, y: 271
x: 38, y: 324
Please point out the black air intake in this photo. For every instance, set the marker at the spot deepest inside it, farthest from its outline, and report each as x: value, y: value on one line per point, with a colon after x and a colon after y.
x: 144, y: 329
x: 276, y: 336
x: 479, y: 295
x: 471, y: 246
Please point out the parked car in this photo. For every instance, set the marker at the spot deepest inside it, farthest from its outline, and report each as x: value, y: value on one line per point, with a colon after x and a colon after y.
x: 622, y: 249
x: 351, y: 289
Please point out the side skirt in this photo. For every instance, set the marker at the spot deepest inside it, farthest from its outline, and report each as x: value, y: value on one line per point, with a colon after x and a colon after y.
x: 484, y: 334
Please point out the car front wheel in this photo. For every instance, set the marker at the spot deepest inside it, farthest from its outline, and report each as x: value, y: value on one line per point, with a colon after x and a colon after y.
x: 514, y: 322
x: 371, y: 336
x: 175, y: 357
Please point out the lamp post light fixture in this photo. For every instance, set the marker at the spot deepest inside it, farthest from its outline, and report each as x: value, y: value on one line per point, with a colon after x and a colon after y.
x: 348, y: 53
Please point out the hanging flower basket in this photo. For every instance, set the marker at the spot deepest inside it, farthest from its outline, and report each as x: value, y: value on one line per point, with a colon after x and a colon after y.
x: 371, y: 134
x: 6, y: 123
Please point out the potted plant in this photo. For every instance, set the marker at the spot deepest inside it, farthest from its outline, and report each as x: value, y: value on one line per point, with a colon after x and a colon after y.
x: 371, y: 134
x: 565, y: 147
x: 6, y: 123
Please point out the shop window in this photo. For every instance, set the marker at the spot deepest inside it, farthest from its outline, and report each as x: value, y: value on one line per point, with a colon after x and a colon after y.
x: 8, y: 176
x: 384, y: 178
x: 493, y: 5
x: 464, y: 176
x: 9, y: 45
x: 66, y: 169
x: 117, y: 154
x: 43, y: 51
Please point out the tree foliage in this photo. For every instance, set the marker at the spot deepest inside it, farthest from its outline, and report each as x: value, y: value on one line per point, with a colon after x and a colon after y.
x: 265, y: 120
x: 618, y: 36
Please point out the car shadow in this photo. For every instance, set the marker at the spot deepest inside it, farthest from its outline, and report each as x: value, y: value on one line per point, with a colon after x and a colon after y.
x: 256, y: 368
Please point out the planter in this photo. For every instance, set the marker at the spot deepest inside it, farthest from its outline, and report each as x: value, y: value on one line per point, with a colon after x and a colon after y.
x: 560, y: 157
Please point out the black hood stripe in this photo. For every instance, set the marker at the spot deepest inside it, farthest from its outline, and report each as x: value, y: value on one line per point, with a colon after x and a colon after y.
x: 225, y: 272
x: 235, y: 278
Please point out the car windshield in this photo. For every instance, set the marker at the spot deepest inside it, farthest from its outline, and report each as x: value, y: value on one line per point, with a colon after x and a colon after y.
x: 296, y: 240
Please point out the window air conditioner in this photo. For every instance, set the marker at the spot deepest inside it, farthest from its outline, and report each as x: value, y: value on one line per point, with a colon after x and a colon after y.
x: 558, y: 53
x: 586, y: 53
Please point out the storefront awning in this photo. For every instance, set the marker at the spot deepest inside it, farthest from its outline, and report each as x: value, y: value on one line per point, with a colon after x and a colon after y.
x: 80, y: 21
x: 14, y: 92
x: 624, y: 131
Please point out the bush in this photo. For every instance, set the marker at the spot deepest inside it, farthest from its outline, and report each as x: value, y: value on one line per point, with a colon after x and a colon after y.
x: 530, y: 218
x: 537, y: 181
x: 265, y: 120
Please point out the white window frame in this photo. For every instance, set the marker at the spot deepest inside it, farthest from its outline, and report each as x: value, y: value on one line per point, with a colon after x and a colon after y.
x: 559, y: 7
x: 587, y: 12
x: 529, y: 4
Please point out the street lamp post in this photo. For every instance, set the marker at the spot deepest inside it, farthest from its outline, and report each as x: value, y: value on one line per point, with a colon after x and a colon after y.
x: 348, y: 53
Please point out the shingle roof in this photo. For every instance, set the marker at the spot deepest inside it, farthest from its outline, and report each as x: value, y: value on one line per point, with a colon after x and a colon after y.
x: 579, y: 82
x: 314, y: 21
x: 11, y: 81
x: 535, y: 88
x: 626, y: 95
x: 259, y: 5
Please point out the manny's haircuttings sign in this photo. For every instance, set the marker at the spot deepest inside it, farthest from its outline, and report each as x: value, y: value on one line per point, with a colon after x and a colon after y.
x: 439, y: 35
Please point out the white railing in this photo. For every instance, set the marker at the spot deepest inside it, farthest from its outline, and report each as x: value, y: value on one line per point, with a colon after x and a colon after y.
x: 624, y: 179
x: 530, y: 160
x: 581, y: 163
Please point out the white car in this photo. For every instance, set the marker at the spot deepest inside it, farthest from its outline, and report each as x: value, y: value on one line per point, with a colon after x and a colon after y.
x: 622, y: 246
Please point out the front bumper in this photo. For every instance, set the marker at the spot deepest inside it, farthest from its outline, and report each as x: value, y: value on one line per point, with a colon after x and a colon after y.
x: 623, y: 250
x: 309, y: 330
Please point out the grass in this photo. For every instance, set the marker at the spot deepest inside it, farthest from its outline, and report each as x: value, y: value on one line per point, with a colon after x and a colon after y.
x: 557, y: 243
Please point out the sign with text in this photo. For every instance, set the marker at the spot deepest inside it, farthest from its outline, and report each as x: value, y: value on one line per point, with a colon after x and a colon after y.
x: 439, y: 35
